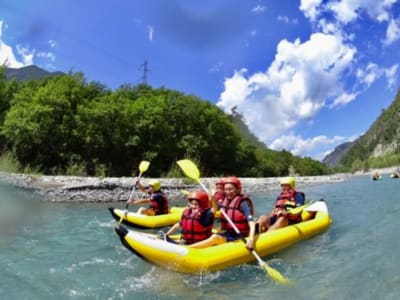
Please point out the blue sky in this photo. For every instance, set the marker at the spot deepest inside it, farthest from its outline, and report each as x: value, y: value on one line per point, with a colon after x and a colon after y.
x: 306, y: 75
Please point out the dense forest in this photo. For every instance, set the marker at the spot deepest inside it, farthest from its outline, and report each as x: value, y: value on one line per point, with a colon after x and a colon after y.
x: 65, y: 125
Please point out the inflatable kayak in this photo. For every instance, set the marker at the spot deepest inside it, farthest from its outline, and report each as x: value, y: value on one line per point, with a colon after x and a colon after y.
x: 184, y: 259
x: 136, y: 220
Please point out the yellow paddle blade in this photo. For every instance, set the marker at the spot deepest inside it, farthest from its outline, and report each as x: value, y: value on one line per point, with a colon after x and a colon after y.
x: 143, y: 166
x: 276, y: 276
x: 189, y: 168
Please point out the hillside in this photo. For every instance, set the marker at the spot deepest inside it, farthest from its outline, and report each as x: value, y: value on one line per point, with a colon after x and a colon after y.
x: 237, y: 120
x: 381, y: 141
x: 333, y: 158
x: 29, y: 73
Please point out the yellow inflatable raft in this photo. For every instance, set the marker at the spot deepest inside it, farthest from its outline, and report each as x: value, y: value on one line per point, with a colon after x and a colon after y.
x: 134, y: 219
x: 189, y: 260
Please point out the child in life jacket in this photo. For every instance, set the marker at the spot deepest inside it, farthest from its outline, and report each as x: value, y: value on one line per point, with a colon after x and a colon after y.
x: 219, y: 193
x: 239, y: 209
x: 279, y: 217
x: 197, y: 219
x: 156, y: 198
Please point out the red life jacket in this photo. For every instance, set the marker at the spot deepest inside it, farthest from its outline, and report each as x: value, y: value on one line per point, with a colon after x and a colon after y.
x: 159, y: 210
x: 232, y: 209
x: 192, y: 230
x: 286, y: 200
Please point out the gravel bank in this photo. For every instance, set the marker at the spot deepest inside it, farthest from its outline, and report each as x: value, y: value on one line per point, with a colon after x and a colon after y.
x: 93, y: 189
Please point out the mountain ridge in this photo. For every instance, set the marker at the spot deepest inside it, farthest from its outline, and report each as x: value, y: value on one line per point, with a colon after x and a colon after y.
x: 29, y: 72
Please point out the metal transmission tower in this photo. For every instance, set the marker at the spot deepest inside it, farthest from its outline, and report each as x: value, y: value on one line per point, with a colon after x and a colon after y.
x: 145, y: 72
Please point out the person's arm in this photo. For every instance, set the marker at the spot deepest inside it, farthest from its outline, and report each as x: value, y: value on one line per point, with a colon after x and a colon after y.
x: 207, y: 218
x: 139, y: 185
x: 299, y: 199
x: 244, y: 206
x: 250, y: 239
x: 174, y: 228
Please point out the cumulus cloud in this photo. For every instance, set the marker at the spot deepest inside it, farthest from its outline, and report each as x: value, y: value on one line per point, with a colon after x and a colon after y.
x: 298, y: 145
x: 348, y: 10
x: 310, y: 8
x: 7, y: 56
x: 306, y: 76
x: 298, y: 83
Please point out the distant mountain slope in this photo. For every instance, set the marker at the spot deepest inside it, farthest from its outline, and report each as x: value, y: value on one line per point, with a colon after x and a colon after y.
x: 29, y: 73
x: 333, y: 158
x: 381, y: 139
x: 237, y: 120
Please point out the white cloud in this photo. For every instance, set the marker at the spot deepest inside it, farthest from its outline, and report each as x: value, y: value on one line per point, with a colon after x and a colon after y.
x: 7, y: 56
x: 373, y: 72
x: 391, y: 76
x: 369, y: 75
x: 392, y: 32
x: 216, y: 68
x: 343, y: 99
x: 287, y: 20
x: 298, y: 83
x: 26, y: 54
x: 52, y: 43
x: 258, y: 9
x: 348, y: 10
x: 310, y: 8
x: 49, y: 55
x: 298, y: 146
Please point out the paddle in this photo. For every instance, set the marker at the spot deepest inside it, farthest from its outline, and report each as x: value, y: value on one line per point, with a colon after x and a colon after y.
x: 143, y: 166
x: 191, y: 171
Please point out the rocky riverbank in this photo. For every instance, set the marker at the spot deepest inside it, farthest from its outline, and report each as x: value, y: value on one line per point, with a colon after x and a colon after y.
x: 93, y: 189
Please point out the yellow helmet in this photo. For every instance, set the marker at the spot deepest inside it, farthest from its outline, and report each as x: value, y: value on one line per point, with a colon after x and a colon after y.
x: 156, y: 184
x: 288, y: 180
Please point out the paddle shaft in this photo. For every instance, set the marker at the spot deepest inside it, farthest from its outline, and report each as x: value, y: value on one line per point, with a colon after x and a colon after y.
x: 130, y: 197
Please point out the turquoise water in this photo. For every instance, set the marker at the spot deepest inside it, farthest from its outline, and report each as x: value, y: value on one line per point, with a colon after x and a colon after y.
x: 70, y: 251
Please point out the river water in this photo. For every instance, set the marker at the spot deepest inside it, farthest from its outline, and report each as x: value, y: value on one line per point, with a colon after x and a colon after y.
x: 70, y: 251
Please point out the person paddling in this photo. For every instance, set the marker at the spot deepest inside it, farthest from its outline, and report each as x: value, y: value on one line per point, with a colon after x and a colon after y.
x: 156, y: 197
